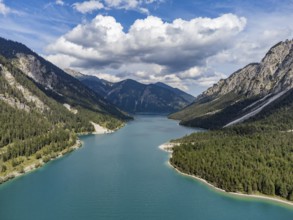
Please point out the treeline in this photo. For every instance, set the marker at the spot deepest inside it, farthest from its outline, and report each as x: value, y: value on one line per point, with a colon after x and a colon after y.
x: 19, y: 125
x: 26, y: 130
x: 54, y: 141
x: 104, y: 120
x: 240, y: 159
x: 276, y: 116
x: 254, y: 156
x: 221, y: 118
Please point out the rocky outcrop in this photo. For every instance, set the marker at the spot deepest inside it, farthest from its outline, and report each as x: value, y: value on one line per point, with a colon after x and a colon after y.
x: 54, y: 81
x: 247, y: 91
x: 38, y: 103
x: 272, y: 74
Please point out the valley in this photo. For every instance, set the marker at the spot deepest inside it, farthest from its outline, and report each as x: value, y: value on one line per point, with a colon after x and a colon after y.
x: 137, y: 98
x: 146, y: 110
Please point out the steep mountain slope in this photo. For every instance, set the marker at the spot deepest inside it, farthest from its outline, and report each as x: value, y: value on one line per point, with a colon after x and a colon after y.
x: 252, y: 157
x: 38, y: 120
x: 177, y: 91
x: 31, y: 122
x: 246, y: 93
x: 134, y: 97
x: 251, y: 151
x: 54, y: 81
x: 99, y: 86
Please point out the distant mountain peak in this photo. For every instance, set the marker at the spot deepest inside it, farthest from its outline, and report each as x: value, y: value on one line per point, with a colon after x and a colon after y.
x: 135, y: 97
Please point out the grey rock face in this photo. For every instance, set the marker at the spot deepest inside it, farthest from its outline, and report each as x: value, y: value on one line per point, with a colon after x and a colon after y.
x: 32, y: 67
x: 246, y: 93
x: 271, y: 75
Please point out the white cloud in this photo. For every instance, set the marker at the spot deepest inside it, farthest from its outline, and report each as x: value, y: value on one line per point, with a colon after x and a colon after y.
x: 122, y: 3
x: 139, y: 5
x: 60, y: 2
x: 151, y: 50
x: 106, y: 76
x: 191, y: 73
x: 4, y: 10
x: 263, y: 31
x: 61, y: 60
x: 208, y: 80
x: 93, y: 5
x: 179, y: 45
x: 88, y: 6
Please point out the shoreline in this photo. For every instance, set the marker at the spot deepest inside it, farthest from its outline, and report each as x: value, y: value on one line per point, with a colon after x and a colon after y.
x: 167, y: 147
x: 100, y: 129
x: 40, y: 163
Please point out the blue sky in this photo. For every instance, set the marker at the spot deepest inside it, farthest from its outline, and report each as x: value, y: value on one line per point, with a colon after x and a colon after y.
x: 187, y: 44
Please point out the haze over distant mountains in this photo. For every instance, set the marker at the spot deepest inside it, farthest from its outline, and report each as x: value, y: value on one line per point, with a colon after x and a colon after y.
x: 134, y: 97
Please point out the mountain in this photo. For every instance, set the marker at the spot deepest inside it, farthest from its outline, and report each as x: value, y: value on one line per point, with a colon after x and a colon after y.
x: 249, y: 147
x: 42, y: 109
x: 100, y: 86
x: 54, y: 81
x: 134, y: 97
x: 177, y: 91
x: 248, y: 92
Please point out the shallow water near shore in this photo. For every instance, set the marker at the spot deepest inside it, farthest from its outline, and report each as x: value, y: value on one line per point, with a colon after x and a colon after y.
x: 124, y: 175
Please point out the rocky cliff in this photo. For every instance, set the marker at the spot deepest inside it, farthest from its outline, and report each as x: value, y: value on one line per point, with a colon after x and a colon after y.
x: 244, y: 94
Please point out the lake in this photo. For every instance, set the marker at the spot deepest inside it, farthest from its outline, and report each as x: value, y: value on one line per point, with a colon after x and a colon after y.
x: 125, y: 176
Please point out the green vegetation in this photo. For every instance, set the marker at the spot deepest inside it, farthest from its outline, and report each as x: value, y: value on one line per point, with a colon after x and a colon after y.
x: 249, y: 163
x: 203, y: 107
x: 220, y: 118
x: 30, y: 134
x: 252, y: 157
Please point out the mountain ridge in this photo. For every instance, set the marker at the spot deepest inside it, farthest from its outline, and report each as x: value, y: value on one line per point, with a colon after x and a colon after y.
x: 54, y: 81
x: 245, y: 93
x: 135, y: 97
x: 42, y: 109
x: 248, y: 147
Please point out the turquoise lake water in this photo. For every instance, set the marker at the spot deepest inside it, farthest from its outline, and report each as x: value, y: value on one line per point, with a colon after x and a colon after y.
x: 125, y: 176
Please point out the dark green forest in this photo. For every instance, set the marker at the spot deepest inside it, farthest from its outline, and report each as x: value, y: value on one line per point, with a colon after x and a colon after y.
x: 252, y: 157
x: 249, y: 163
x: 27, y: 130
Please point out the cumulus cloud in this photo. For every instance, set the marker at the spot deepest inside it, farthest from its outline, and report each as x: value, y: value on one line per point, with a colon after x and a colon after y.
x: 151, y: 50
x: 177, y: 46
x: 107, y: 76
x: 4, y: 10
x: 88, y: 6
x: 263, y: 31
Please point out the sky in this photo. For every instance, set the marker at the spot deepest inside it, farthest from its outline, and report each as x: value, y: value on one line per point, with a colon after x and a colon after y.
x: 186, y: 44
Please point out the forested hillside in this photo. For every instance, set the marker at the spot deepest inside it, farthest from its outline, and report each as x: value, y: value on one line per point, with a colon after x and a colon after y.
x: 54, y: 82
x: 253, y: 154
x: 240, y: 160
x: 36, y: 127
